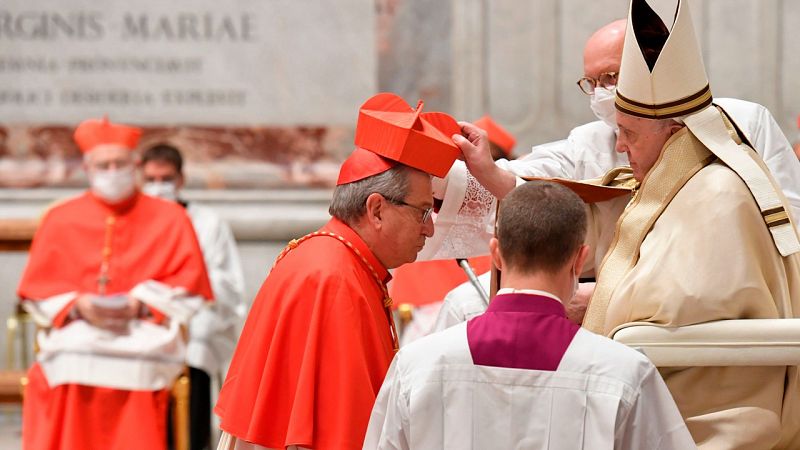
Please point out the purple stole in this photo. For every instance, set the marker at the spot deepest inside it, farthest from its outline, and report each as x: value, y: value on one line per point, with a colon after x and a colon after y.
x: 521, y: 331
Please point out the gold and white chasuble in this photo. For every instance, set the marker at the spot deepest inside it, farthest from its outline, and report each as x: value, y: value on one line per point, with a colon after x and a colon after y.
x: 692, y: 247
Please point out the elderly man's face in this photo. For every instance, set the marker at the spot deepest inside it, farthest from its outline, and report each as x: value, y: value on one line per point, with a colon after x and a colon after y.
x: 108, y: 157
x: 642, y: 140
x: 111, y: 172
x: 405, y: 231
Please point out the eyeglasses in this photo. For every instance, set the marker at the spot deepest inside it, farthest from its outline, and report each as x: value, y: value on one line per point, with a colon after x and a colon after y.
x: 426, y: 212
x: 607, y: 80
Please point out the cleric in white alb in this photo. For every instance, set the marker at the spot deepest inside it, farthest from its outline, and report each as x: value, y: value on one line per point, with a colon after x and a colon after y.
x: 522, y: 375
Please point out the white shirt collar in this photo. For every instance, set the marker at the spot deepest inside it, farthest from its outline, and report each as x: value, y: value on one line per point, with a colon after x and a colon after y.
x: 528, y: 292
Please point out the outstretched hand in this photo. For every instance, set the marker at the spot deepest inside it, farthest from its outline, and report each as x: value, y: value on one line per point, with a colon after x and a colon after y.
x: 474, y: 145
x: 475, y: 149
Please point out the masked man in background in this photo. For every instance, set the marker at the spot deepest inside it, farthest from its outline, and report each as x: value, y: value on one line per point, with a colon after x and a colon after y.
x: 214, y: 329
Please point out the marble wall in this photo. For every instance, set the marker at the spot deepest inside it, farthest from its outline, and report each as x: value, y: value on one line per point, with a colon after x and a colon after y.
x: 256, y: 93
x: 199, y: 62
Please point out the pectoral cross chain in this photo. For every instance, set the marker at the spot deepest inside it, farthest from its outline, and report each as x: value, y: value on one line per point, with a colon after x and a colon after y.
x: 103, y: 279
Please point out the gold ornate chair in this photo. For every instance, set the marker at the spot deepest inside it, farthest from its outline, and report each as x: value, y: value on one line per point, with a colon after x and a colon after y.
x: 15, y: 236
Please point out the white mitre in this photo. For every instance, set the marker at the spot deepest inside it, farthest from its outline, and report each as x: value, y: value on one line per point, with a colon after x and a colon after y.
x: 662, y: 75
x: 670, y: 81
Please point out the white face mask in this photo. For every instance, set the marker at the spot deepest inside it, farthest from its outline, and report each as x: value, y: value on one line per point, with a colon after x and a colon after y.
x: 113, y: 185
x: 602, y: 104
x: 162, y: 189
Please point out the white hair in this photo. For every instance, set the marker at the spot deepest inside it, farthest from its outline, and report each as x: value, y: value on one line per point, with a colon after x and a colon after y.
x: 349, y: 202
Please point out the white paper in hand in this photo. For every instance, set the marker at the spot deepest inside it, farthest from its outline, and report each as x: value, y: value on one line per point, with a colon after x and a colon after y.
x: 116, y: 301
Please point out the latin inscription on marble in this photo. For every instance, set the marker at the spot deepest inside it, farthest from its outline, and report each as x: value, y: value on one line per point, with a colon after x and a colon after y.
x: 200, y: 62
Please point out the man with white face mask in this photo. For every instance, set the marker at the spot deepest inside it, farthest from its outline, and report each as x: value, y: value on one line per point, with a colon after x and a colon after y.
x: 112, y: 274
x: 602, y: 96
x: 214, y: 329
x: 588, y: 152
x: 112, y: 178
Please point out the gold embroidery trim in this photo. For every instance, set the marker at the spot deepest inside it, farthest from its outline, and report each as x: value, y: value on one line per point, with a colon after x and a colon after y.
x: 779, y: 216
x: 656, y: 111
x: 686, y: 156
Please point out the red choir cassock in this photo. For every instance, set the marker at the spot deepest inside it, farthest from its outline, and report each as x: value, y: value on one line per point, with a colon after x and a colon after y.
x: 319, y: 338
x: 140, y: 238
x: 315, y: 348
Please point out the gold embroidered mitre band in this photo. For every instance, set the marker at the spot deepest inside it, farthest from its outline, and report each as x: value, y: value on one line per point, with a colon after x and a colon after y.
x: 662, y: 73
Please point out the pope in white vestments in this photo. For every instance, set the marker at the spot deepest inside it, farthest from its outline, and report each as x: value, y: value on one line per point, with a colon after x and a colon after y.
x: 464, y: 226
x: 522, y: 375
x: 707, y: 236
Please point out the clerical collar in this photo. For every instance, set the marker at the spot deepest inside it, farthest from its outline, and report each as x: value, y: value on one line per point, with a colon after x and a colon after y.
x: 526, y: 301
x: 528, y: 292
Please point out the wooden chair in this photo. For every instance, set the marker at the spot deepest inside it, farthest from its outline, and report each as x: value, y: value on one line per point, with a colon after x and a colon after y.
x: 15, y: 236
x: 12, y: 386
x: 181, y: 392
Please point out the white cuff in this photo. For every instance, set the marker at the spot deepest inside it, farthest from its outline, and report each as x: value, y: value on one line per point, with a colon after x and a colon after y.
x: 44, y: 311
x: 146, y: 357
x: 162, y: 297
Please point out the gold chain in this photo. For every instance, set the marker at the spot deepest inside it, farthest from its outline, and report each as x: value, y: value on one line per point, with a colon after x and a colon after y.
x: 103, y: 279
x: 387, y: 301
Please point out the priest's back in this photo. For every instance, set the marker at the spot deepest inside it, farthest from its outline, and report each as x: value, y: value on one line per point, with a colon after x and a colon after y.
x: 523, y: 376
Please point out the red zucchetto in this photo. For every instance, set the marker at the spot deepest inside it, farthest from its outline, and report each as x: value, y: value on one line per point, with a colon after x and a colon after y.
x: 93, y: 132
